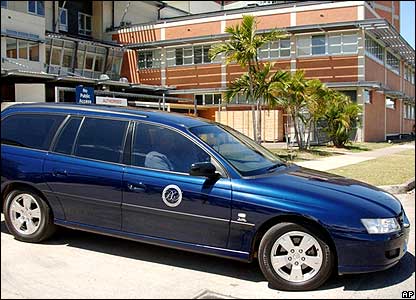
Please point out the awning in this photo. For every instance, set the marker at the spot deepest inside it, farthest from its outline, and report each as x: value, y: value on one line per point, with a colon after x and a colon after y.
x: 22, y: 35
x: 387, y: 34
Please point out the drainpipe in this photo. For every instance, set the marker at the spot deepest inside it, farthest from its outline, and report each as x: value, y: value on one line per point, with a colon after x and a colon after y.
x: 112, y: 15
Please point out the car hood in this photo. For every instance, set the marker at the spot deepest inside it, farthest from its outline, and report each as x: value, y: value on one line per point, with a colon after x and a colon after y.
x: 326, y: 190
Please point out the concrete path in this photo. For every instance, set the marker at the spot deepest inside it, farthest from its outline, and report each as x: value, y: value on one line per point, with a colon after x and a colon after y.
x: 337, y: 161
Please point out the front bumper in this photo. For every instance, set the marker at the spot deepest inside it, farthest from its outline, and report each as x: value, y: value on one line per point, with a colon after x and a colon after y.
x: 362, y: 252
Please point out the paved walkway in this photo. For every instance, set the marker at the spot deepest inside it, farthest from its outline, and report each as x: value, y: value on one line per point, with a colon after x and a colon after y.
x: 337, y: 161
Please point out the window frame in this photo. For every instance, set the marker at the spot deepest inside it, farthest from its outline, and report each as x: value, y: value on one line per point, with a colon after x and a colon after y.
x: 63, y: 27
x: 171, y: 57
x: 156, y: 59
x: 84, y: 31
x: 28, y: 46
x: 310, y: 45
x: 36, y: 12
x: 213, y: 98
x: 376, y: 44
x: 123, y: 145
x: 222, y: 170
x: 390, y: 56
x: 269, y: 49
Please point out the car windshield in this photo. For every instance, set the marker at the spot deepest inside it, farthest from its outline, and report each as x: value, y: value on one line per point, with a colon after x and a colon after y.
x: 240, y: 151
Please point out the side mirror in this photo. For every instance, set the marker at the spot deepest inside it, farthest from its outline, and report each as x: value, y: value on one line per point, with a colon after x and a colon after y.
x: 205, y: 169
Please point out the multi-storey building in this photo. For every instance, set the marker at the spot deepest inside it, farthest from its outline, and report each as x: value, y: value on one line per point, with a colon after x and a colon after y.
x: 352, y: 46
x: 50, y: 47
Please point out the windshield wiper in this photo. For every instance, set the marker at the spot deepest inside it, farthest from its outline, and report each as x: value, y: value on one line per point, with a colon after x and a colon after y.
x: 274, y: 167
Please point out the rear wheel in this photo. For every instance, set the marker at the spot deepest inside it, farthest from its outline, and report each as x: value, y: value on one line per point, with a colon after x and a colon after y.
x: 28, y: 216
x: 295, y: 258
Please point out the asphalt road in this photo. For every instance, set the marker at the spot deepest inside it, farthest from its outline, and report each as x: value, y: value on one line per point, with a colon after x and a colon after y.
x: 75, y: 264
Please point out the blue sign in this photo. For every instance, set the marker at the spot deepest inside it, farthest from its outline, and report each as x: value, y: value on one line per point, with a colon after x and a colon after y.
x: 84, y: 95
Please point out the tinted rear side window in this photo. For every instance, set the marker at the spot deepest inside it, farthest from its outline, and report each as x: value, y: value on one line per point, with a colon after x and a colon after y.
x: 101, y: 139
x: 67, y: 136
x: 30, y: 130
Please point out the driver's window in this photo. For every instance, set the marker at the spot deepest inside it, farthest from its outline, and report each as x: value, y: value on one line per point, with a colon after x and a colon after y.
x: 160, y: 148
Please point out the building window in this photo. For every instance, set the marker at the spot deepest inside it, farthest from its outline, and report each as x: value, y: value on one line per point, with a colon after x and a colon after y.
x: 63, y: 19
x: 208, y: 99
x: 113, y: 63
x: 22, y: 49
x: 342, y: 43
x: 368, y: 97
x: 84, y: 24
x: 11, y: 48
x: 33, y: 51
x: 409, y: 111
x: 393, y: 62
x: 198, y: 54
x: 4, y: 4
x: 275, y: 49
x: 36, y: 7
x: 311, y: 45
x: 374, y: 49
x: 390, y: 103
x: 149, y: 59
x: 318, y: 44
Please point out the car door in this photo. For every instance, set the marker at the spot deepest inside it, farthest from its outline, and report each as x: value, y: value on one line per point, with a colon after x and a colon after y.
x: 161, y: 199
x: 83, y: 170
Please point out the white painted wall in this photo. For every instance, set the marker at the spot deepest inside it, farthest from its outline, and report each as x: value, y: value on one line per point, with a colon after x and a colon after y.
x: 33, y: 92
x: 195, y: 7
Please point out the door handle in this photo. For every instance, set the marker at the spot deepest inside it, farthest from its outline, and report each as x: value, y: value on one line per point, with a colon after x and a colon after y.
x: 139, y: 187
x: 57, y: 173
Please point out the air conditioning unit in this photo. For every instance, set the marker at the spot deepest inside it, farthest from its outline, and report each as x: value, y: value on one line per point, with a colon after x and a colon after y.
x: 104, y: 77
x: 124, y: 80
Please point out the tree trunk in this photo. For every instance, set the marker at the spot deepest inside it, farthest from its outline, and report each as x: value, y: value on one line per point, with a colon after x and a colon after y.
x: 258, y: 122
x: 250, y: 76
x: 308, y: 140
x: 297, y: 135
x: 253, y: 114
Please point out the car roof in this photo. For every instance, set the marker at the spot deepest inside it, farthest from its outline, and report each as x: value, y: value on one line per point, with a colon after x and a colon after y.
x: 133, y: 113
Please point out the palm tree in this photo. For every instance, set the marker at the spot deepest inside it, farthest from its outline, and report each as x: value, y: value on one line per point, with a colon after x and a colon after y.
x: 316, y: 102
x: 242, y: 48
x: 340, y: 115
x: 291, y: 94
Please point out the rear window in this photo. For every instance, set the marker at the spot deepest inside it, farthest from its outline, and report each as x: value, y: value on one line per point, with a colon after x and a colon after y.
x: 101, y: 139
x: 30, y: 130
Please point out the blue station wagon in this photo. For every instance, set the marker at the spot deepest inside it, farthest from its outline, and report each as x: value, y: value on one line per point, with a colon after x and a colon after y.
x: 190, y: 184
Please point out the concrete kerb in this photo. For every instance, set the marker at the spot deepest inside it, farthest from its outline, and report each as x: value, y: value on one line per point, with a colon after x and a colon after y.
x: 400, y: 188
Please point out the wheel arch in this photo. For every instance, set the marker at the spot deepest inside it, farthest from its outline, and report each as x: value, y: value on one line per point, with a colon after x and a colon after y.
x: 10, y: 186
x: 308, y: 222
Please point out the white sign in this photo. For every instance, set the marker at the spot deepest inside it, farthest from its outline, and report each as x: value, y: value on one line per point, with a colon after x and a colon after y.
x: 111, y: 101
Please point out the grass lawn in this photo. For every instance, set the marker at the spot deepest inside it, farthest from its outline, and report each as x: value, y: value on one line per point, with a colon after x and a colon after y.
x: 316, y: 152
x: 388, y: 170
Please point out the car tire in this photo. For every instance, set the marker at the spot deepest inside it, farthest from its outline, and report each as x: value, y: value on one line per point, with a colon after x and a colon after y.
x: 28, y: 216
x: 295, y: 269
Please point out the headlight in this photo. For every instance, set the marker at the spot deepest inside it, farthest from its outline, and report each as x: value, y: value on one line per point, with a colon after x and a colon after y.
x: 379, y: 226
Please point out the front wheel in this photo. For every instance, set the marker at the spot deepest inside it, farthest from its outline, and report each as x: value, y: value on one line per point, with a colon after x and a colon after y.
x: 294, y: 258
x: 28, y: 216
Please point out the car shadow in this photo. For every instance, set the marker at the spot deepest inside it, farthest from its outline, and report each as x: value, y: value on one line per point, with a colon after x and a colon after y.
x: 216, y: 265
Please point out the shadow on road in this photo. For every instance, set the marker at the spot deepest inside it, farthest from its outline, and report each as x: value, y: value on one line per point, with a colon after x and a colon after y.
x: 204, y: 263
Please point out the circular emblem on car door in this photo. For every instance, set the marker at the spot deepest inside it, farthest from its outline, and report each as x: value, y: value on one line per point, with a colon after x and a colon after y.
x: 172, y: 195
